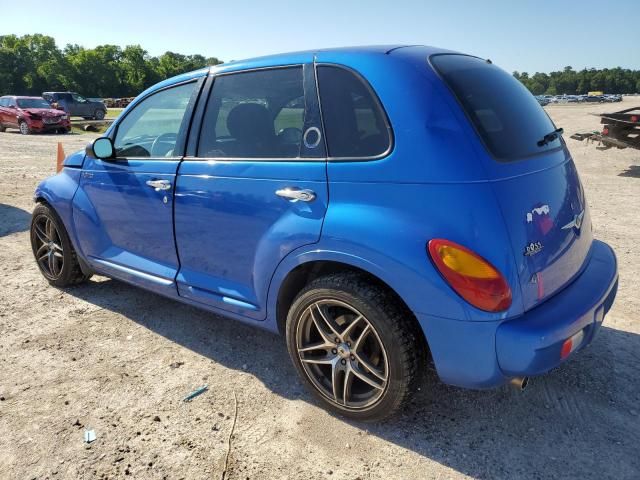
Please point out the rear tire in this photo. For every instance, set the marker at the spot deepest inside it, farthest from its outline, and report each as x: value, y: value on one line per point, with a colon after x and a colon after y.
x: 24, y: 128
x: 354, y: 346
x: 2, y: 129
x: 52, y: 249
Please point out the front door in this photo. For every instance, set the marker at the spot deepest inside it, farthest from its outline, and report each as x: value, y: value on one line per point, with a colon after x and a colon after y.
x: 123, y: 210
x: 255, y: 190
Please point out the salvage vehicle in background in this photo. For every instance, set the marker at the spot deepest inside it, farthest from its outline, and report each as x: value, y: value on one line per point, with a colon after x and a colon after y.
x: 619, y: 129
x: 76, y: 105
x: 31, y: 115
x: 375, y: 220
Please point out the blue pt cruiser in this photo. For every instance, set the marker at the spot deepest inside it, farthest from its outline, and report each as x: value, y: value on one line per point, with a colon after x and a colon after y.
x: 381, y: 207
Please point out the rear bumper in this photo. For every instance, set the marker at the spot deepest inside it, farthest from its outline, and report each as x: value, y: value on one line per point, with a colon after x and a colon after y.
x: 486, y: 354
x: 531, y: 345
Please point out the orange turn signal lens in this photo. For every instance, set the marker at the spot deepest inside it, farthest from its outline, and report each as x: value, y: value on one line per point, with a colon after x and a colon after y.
x: 470, y: 275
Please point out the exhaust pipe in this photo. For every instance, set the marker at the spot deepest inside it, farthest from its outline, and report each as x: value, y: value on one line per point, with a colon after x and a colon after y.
x: 519, y: 383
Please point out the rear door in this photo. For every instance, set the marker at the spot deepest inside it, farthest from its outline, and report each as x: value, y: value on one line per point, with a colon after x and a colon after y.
x: 531, y: 172
x: 255, y: 188
x: 123, y: 210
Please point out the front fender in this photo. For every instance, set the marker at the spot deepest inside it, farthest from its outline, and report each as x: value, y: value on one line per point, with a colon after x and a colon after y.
x: 58, y: 191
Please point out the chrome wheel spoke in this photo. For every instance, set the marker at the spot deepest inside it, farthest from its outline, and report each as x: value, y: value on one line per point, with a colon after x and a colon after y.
x: 319, y: 324
x: 347, y: 331
x: 370, y: 368
x: 51, y: 263
x: 318, y: 361
x: 55, y: 246
x: 43, y: 248
x: 40, y: 233
x: 328, y: 321
x: 335, y: 380
x: 367, y: 378
x: 346, y: 389
x: 316, y: 346
x: 50, y: 229
x: 359, y: 340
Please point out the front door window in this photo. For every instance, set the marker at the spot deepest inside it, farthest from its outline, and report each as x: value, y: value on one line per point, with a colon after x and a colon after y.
x: 152, y: 128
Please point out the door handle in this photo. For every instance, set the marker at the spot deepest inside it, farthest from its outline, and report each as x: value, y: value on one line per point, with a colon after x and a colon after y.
x: 295, y: 194
x: 159, y: 185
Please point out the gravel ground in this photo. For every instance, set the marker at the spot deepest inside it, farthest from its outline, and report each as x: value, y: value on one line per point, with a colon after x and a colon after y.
x: 117, y: 359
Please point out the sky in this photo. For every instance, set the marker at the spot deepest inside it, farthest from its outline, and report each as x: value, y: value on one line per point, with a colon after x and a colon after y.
x: 523, y: 35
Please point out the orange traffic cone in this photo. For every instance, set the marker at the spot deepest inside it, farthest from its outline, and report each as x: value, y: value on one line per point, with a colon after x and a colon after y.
x: 60, y: 158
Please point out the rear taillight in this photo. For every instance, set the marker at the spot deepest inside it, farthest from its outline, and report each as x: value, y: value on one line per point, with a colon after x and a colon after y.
x: 605, y: 131
x: 470, y: 275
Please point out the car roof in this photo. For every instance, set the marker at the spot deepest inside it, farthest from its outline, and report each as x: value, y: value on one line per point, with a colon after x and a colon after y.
x: 307, y: 55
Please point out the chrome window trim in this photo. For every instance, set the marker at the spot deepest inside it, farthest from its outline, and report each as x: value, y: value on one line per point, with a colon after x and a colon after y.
x: 376, y: 98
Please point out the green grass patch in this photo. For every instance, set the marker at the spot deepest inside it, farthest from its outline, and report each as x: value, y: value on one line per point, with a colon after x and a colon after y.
x: 113, y: 112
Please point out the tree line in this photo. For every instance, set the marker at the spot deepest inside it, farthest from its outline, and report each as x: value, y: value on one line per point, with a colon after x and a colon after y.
x: 32, y: 64
x: 571, y: 82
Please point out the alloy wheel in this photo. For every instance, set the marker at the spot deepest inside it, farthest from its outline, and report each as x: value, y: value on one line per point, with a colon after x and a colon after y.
x: 342, y: 354
x: 24, y: 128
x: 48, y: 247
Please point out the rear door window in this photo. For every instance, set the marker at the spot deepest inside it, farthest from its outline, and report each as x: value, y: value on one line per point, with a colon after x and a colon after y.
x: 354, y: 122
x: 257, y: 114
x: 507, y: 116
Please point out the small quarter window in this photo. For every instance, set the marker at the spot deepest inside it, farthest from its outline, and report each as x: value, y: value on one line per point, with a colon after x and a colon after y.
x: 258, y: 114
x: 354, y: 122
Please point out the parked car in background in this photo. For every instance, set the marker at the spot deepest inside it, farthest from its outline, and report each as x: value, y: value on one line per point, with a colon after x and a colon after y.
x: 542, y: 100
x: 76, y: 105
x: 31, y: 114
x: 375, y: 220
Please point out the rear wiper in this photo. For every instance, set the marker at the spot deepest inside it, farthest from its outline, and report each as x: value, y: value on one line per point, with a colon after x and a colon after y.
x: 550, y: 137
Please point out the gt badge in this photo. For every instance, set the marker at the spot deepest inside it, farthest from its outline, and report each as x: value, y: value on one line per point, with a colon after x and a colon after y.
x: 532, y: 249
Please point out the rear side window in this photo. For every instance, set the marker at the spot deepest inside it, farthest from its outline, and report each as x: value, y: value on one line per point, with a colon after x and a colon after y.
x: 258, y: 114
x: 507, y: 116
x: 354, y: 123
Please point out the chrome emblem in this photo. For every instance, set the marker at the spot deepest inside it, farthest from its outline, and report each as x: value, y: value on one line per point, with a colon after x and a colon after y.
x: 532, y: 249
x: 576, y: 222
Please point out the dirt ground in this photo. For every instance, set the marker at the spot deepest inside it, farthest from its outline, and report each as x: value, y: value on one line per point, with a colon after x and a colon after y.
x: 119, y: 360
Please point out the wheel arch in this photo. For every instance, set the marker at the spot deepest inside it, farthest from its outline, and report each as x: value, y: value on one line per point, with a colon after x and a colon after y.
x: 297, y: 277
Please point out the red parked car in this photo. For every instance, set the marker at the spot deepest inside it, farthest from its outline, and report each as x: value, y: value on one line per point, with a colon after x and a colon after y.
x: 31, y: 114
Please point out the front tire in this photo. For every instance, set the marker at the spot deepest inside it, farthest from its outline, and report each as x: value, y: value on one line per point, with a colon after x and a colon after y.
x: 354, y: 346
x: 52, y: 249
x: 24, y: 128
x: 98, y: 114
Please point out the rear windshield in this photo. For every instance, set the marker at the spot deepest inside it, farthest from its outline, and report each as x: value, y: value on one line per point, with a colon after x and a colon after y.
x: 505, y: 114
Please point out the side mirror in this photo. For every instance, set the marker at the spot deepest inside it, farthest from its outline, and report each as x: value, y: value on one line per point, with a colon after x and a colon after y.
x: 101, y: 148
x: 13, y: 107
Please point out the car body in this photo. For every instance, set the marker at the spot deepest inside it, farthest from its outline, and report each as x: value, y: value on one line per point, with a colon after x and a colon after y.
x: 31, y: 114
x: 76, y: 105
x: 442, y: 189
